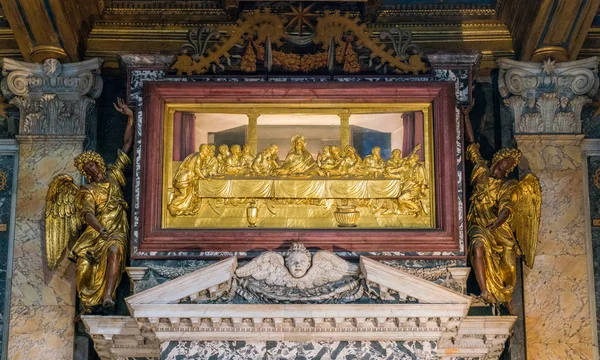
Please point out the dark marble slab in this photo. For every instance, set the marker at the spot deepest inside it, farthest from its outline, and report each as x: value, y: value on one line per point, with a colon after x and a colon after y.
x: 7, y: 190
x: 590, y: 123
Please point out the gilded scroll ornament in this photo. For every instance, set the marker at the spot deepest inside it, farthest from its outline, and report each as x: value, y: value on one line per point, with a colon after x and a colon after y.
x: 597, y: 178
x: 396, y: 187
x: 503, y: 221
x: 340, y: 40
x: 97, y: 207
x: 3, y: 180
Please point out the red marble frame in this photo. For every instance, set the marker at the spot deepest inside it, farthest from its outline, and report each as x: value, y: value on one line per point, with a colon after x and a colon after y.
x: 156, y: 95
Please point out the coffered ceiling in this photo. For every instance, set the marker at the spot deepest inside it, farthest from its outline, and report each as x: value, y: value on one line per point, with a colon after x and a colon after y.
x: 75, y: 29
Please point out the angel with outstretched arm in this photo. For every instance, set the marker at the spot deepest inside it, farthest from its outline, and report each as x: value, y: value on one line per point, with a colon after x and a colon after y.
x: 503, y: 220
x: 100, y: 209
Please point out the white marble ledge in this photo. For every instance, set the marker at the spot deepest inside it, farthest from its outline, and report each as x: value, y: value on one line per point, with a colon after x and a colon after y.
x: 119, y: 336
x: 136, y: 273
x: 478, y: 336
x: 299, y: 322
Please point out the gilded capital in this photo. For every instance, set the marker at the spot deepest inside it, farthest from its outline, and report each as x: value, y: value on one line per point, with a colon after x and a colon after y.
x: 53, y: 98
x: 547, y: 97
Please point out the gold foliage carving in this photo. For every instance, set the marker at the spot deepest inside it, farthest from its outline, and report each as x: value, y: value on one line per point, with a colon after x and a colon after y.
x: 262, y: 29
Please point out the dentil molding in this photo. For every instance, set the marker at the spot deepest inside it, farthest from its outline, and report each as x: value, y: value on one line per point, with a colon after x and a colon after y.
x: 189, y: 308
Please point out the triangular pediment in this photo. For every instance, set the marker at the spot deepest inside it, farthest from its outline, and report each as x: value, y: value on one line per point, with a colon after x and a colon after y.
x: 159, y: 315
x: 426, y: 292
x: 187, y: 285
x: 215, y: 275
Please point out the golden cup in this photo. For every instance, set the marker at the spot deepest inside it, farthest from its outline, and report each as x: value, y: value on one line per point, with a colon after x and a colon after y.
x: 346, y: 216
x: 252, y: 214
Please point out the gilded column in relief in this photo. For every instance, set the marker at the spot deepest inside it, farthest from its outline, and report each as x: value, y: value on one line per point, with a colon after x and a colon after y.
x: 546, y: 100
x: 54, y: 101
x: 344, y: 129
x: 252, y: 135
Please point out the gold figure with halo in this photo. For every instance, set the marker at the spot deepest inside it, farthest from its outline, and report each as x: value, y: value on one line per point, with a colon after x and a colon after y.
x: 299, y: 161
x: 503, y: 220
x: 99, y: 208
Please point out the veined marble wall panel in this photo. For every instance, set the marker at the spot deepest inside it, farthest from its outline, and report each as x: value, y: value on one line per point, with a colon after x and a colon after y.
x: 556, y: 289
x: 42, y: 301
x: 8, y: 163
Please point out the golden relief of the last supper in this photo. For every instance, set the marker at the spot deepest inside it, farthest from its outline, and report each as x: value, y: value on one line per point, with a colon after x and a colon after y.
x: 276, y: 167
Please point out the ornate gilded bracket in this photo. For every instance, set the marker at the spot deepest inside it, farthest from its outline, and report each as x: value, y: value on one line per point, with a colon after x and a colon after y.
x: 261, y: 37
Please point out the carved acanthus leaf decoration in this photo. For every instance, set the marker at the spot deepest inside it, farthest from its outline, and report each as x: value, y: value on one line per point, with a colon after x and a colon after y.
x: 548, y: 97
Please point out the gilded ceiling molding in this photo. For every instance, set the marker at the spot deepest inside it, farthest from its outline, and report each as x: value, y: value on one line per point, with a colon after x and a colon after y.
x: 256, y: 38
x: 53, y: 98
x: 548, y: 97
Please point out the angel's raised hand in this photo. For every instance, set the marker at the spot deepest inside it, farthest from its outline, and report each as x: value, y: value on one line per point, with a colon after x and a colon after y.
x: 121, y: 107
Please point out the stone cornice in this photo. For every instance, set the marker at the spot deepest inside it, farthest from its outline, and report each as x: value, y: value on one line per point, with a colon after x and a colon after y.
x: 164, y: 313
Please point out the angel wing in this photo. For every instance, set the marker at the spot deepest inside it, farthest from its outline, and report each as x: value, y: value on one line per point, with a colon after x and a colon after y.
x: 62, y: 221
x: 326, y: 268
x: 269, y: 267
x: 526, y: 218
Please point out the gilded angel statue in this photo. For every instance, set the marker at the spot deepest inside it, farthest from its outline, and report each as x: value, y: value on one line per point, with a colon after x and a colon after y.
x: 298, y: 270
x: 503, y: 220
x: 99, y: 209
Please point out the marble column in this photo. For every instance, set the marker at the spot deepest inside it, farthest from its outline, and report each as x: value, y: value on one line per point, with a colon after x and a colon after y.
x: 546, y: 101
x: 54, y: 102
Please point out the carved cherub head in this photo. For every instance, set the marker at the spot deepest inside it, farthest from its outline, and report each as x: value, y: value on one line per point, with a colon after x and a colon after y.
x: 297, y: 260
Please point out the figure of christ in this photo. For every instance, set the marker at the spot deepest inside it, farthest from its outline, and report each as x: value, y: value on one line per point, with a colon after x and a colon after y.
x: 298, y: 161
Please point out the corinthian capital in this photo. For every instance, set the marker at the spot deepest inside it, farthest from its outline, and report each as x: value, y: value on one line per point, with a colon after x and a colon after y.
x: 53, y: 98
x: 552, y: 94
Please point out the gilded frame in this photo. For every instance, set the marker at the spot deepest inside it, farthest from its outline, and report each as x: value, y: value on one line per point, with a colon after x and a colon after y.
x: 333, y: 108
x: 161, y: 100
